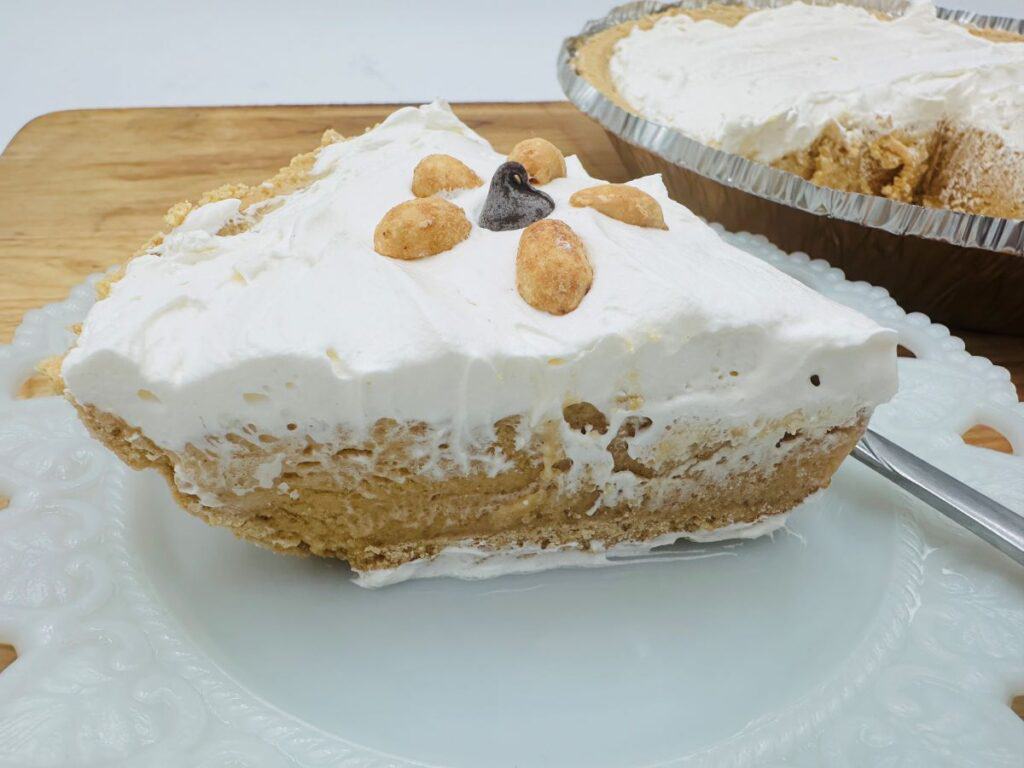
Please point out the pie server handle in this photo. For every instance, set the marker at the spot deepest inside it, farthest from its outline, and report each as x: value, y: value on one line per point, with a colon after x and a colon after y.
x: 998, y: 525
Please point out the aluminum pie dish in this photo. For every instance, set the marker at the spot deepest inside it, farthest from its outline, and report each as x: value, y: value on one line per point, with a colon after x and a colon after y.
x: 963, y: 269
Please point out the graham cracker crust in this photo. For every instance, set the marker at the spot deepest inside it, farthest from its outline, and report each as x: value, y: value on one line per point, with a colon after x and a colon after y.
x: 952, y: 167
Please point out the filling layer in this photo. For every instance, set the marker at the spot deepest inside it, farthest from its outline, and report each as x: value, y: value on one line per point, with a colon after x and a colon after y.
x: 375, y: 503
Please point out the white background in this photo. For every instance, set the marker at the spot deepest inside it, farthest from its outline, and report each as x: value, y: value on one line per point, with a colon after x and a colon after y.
x: 65, y: 54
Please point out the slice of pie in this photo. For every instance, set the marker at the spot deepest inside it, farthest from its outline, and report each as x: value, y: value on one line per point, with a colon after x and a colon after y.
x: 913, y: 107
x: 407, y: 345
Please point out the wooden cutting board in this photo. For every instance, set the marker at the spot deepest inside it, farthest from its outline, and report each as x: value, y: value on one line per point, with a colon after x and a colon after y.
x: 81, y: 190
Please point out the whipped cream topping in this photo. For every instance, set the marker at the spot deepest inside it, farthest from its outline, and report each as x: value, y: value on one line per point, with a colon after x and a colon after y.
x: 297, y: 326
x: 772, y: 83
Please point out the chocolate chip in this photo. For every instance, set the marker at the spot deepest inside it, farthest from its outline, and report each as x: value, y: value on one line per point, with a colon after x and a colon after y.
x: 511, y: 202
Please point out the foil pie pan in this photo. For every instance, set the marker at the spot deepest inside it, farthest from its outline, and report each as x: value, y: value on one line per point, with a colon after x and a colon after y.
x: 966, y: 270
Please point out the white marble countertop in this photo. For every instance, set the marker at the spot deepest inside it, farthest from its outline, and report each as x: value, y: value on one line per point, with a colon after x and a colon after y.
x: 67, y: 54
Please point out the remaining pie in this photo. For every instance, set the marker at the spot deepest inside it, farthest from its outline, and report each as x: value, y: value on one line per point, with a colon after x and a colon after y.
x: 912, y: 108
x: 411, y: 352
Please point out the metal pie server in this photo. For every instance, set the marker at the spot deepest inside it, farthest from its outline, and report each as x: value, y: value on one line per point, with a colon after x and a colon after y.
x: 1000, y: 526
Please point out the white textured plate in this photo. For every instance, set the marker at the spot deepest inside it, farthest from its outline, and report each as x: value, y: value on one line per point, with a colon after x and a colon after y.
x: 870, y: 633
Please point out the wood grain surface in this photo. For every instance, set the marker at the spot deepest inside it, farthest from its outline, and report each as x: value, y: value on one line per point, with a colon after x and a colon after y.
x: 81, y: 190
